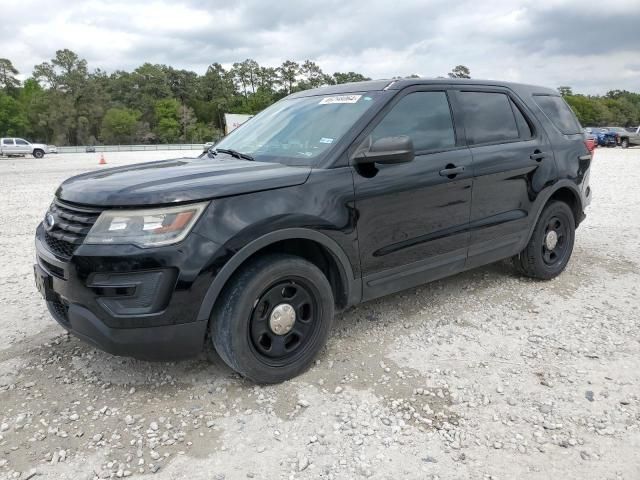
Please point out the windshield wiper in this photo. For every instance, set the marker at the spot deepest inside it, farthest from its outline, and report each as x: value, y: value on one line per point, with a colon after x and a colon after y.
x: 234, y: 153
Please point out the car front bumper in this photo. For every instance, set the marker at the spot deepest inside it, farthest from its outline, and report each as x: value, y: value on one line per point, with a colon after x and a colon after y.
x: 141, y: 303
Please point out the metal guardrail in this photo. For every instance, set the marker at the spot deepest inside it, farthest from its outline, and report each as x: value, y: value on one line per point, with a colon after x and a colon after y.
x: 133, y: 148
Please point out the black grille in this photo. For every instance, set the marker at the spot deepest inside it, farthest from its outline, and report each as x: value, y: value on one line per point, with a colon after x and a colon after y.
x: 71, y: 224
x: 59, y: 247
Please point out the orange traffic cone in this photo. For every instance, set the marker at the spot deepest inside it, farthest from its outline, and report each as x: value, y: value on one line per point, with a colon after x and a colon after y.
x: 102, y: 160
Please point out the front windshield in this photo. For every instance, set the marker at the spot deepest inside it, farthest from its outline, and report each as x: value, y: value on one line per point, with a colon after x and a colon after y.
x: 299, y: 128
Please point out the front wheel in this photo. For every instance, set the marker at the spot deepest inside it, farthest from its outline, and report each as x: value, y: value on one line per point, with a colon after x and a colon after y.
x: 272, y: 318
x: 38, y: 153
x: 550, y: 247
x: 624, y: 143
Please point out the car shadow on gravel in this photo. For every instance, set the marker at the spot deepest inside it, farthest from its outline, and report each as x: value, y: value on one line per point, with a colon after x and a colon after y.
x: 353, y: 324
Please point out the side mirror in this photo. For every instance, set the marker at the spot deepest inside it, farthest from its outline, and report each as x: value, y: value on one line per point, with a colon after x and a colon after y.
x: 387, y: 151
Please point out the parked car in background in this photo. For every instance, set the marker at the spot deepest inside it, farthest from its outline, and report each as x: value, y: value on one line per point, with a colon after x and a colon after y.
x: 52, y: 149
x: 591, y: 137
x: 90, y: 149
x: 624, y: 138
x: 19, y: 147
x: 602, y: 136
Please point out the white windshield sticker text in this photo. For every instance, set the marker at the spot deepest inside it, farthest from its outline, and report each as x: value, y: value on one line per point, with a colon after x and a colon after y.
x: 340, y: 99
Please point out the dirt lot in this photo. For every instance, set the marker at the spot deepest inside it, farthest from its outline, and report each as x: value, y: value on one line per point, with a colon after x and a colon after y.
x: 485, y: 375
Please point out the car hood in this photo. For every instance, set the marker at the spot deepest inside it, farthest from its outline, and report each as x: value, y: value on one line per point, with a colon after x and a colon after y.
x: 178, y: 180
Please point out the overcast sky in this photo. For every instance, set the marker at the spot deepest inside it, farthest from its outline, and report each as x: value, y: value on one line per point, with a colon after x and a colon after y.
x: 591, y: 46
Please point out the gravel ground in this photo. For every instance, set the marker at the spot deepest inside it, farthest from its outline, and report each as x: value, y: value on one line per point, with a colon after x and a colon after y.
x: 485, y: 375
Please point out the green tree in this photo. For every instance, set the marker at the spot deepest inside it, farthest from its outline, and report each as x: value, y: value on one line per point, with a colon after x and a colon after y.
x: 565, y: 91
x: 268, y: 79
x: 34, y: 104
x: 119, y: 125
x: 8, y: 73
x: 167, y: 120
x: 312, y: 76
x: 288, y: 72
x: 460, y: 71
x: 348, y: 77
x: 13, y: 121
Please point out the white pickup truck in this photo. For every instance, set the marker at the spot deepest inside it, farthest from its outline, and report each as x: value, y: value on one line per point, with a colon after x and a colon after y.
x: 20, y: 147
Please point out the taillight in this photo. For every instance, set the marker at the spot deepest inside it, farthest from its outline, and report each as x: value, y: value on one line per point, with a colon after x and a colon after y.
x: 590, y: 144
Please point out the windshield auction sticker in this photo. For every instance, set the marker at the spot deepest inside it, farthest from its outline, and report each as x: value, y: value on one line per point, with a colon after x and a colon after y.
x: 340, y: 99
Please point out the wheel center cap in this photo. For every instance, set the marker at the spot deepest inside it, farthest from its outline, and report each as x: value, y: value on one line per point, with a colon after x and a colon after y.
x: 551, y: 240
x: 282, y: 319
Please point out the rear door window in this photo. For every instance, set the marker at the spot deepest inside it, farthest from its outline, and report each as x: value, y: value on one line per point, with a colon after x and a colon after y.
x: 423, y: 116
x: 7, y: 141
x: 523, y: 124
x: 557, y: 110
x: 488, y: 118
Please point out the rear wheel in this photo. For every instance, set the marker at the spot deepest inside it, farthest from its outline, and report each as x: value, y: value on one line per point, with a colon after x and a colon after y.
x: 624, y: 143
x: 272, y: 318
x: 38, y: 153
x: 550, y: 247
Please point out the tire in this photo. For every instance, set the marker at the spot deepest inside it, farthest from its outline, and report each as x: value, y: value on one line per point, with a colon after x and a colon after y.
x: 624, y: 143
x: 38, y: 153
x: 243, y: 322
x: 541, y: 258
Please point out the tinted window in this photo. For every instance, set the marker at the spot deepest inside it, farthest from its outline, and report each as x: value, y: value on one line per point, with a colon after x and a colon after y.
x: 19, y: 141
x: 7, y: 141
x: 488, y: 117
x: 523, y: 125
x: 559, y: 113
x: 423, y: 116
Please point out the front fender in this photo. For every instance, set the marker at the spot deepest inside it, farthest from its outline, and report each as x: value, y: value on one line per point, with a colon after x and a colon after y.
x: 354, y: 287
x: 321, y: 210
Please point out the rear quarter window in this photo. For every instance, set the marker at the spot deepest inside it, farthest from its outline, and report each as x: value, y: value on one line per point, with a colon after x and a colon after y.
x: 559, y: 113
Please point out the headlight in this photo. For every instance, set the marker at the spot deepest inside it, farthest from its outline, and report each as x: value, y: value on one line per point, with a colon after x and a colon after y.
x: 145, y: 228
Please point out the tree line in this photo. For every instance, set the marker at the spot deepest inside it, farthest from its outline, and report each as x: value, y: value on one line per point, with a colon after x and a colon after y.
x: 616, y: 108
x: 66, y: 104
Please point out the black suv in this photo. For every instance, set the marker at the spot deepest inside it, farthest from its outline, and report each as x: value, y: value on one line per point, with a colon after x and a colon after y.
x: 326, y: 199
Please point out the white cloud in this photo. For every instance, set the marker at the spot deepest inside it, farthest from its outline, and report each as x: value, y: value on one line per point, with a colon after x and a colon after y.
x: 548, y: 42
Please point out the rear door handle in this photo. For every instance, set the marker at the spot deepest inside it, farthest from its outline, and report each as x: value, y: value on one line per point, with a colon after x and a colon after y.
x: 537, y: 156
x: 451, y: 171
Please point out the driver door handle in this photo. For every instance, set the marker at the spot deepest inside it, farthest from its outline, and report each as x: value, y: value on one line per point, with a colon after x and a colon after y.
x: 451, y: 171
x: 537, y: 156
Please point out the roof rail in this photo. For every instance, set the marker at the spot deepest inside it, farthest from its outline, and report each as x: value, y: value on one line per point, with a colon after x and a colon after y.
x: 389, y: 86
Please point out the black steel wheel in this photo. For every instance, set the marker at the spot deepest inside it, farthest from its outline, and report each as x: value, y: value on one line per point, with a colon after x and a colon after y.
x: 273, y: 317
x: 283, y: 320
x: 554, y: 244
x: 551, y: 244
